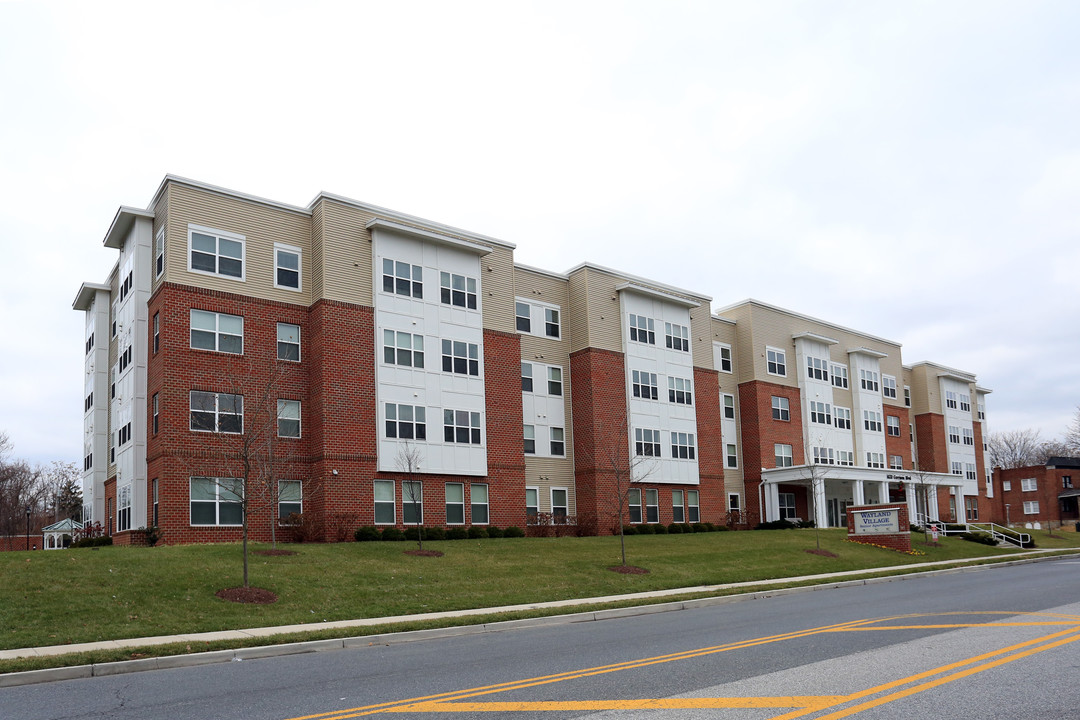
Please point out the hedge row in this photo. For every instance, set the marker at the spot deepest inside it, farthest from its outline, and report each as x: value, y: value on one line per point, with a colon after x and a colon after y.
x: 673, y: 528
x: 369, y: 533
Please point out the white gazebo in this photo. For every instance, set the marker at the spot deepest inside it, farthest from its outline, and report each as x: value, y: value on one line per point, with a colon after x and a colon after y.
x: 54, y: 534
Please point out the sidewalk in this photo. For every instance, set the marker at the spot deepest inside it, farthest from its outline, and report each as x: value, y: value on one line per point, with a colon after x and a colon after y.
x: 825, y: 580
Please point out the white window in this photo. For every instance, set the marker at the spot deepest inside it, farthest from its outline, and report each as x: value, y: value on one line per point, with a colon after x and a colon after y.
x: 290, y: 499
x: 633, y: 500
x: 288, y: 342
x: 677, y: 337
x: 478, y: 504
x: 404, y: 349
x: 646, y: 442
x: 460, y: 358
x: 217, y: 501
x: 971, y: 505
x: 652, y: 505
x: 406, y: 422
x: 871, y: 420
x: 907, y: 396
x: 682, y: 445
x: 965, y: 402
x: 869, y: 380
x: 787, y: 506
x: 554, y: 385
x: 824, y: 456
x: 839, y: 375
x: 776, y: 361
x: 457, y: 290
x: 734, y: 502
x: 678, y: 509
x: 820, y: 412
x: 888, y: 386
x: 982, y: 411
x: 1006, y: 485
x: 552, y: 327
x: 1028, y: 485
x: 893, y: 423
x: 215, y: 252
x: 780, y: 408
x: 401, y: 278
x: 159, y: 253
x: 217, y: 412
x: 288, y: 418
x: 641, y: 329
x: 783, y: 455
x: 286, y: 267
x: 157, y: 332
x: 643, y: 385
x: 732, y: 456
x: 532, y: 504
x: 969, y: 471
x: 558, y: 444
x: 957, y: 468
x: 530, y: 440
x: 843, y: 417
x: 558, y: 502
x: 729, y: 406
x: 950, y: 399
x: 526, y: 377
x: 679, y: 391
x: 692, y: 511
x: 896, y: 462
x: 875, y: 460
x: 412, y: 502
x: 969, y: 436
x: 529, y: 315
x: 385, y: 505
x: 725, y: 359
x: 817, y: 369
x: 123, y: 509
x: 455, y: 504
x: 523, y: 316
x: 845, y: 457
x: 1031, y: 507
x: 954, y: 434
x: 217, y: 331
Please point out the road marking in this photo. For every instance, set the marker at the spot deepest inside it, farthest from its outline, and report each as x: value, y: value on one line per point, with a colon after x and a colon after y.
x: 816, y: 702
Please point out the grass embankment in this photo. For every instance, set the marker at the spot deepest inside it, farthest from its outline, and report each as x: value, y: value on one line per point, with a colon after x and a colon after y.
x: 51, y: 598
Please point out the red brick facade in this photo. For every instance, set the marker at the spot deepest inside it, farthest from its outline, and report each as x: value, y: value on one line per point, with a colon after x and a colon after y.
x: 932, y: 442
x: 761, y: 433
x: 1049, y: 483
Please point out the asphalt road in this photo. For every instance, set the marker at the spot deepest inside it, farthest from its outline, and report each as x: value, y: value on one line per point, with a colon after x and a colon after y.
x: 998, y: 642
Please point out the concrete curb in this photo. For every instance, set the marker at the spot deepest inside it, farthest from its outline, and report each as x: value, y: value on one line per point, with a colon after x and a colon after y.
x: 30, y: 677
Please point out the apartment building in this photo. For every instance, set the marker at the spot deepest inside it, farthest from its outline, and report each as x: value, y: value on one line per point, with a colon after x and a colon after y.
x: 360, y: 366
x: 1038, y: 495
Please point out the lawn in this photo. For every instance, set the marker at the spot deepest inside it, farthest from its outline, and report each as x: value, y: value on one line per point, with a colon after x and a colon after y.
x: 49, y: 598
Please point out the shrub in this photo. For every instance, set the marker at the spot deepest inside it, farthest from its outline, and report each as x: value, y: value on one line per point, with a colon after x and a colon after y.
x: 807, y: 524
x: 675, y: 529
x: 699, y: 527
x: 660, y: 529
x: 979, y: 537
x: 304, y: 527
x: 93, y: 542
x: 456, y: 533
x: 709, y: 527
x: 720, y: 528
x: 629, y: 530
x: 494, y: 532
x: 477, y: 533
x: 513, y: 532
x: 776, y: 525
x: 644, y: 529
x: 366, y: 534
x: 392, y: 533
x: 434, y: 533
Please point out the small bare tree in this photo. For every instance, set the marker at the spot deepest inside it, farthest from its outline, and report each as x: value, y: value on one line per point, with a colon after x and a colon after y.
x: 923, y: 487
x: 815, y: 473
x: 1014, y: 448
x: 409, y: 459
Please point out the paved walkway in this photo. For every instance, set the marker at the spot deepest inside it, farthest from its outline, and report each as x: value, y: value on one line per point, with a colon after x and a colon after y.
x: 824, y: 578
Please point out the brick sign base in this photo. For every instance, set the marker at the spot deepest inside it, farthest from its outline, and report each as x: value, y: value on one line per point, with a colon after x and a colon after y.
x: 898, y: 535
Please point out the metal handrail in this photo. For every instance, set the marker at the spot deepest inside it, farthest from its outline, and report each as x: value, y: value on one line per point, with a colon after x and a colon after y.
x: 998, y: 532
x: 1019, y: 539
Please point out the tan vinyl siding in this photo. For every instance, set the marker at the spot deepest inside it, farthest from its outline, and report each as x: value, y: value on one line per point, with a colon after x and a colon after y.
x: 925, y: 392
x: 701, y: 336
x: 261, y: 225
x: 604, y: 321
x: 346, y: 259
x: 161, y: 214
x: 497, y: 284
x: 546, y: 473
x: 317, y: 251
x: 576, y: 312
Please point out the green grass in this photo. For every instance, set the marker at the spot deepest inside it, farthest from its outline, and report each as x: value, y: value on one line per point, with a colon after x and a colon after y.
x: 51, y: 598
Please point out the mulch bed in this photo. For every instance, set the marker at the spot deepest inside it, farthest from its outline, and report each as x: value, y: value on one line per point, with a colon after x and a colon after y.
x: 277, y: 552
x: 822, y: 553
x: 250, y: 595
x: 424, y: 553
x: 628, y: 570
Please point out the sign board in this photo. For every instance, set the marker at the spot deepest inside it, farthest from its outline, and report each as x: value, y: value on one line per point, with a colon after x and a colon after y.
x: 934, y: 532
x: 875, y: 522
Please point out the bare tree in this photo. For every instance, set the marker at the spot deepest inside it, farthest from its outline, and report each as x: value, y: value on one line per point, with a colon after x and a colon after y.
x: 923, y: 488
x: 408, y: 461
x: 64, y: 487
x: 1014, y: 448
x: 815, y: 472
x: 1072, y: 434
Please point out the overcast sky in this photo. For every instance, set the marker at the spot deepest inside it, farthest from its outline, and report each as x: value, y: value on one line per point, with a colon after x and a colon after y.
x: 907, y: 169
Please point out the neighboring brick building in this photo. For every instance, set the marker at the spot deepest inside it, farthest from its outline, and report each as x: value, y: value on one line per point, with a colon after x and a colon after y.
x: 341, y: 339
x: 1038, y: 494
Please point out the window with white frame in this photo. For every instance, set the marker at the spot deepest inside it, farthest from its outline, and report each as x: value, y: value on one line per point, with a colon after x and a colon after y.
x: 729, y: 406
x: 406, y: 422
x: 1006, y: 485
x: 286, y: 267
x: 871, y: 420
x: 642, y: 329
x: 154, y: 498
x: 907, y: 396
x: 965, y: 402
x: 455, y: 504
x: 787, y: 506
x: 530, y: 439
x: 215, y: 252
x: 217, y: 412
x: 402, y: 278
x: 892, y: 425
x: 1031, y: 507
x: 781, y: 409
x: 969, y: 436
x: 460, y: 358
x: 839, y: 375
x: 1027, y: 485
x: 523, y: 317
x: 646, y: 442
x: 159, y: 253
x: 412, y: 502
x: 982, y: 411
x: 217, y: 331
x: 538, y: 319
x: 971, y: 506
x: 842, y: 417
x: 679, y: 391
x: 532, y: 504
x: 385, y: 505
x: 558, y: 502
x: 1066, y: 482
x: 123, y: 509
x: 643, y: 385
x: 776, y: 361
x: 888, y: 386
x: 478, y: 504
x: 957, y: 468
x: 875, y: 460
x: 678, y: 509
x: 633, y: 501
x: 288, y: 418
x: 157, y: 332
x: 782, y: 453
x: 845, y: 457
x: 817, y: 368
x: 652, y: 505
x: 734, y: 502
x: 558, y: 442
x: 969, y: 471
x: 950, y: 399
x: 896, y: 462
x: 404, y: 349
x: 552, y: 326
x: 682, y: 446
x: 693, y: 513
x: 554, y: 382
x: 156, y: 407
x: 526, y: 377
x: 732, y: 456
x: 820, y: 412
x: 217, y: 501
x: 824, y: 456
x: 290, y: 499
x: 954, y: 434
x: 288, y: 342
x: 457, y: 290
x: 868, y: 379
x: 677, y: 337
x: 725, y: 359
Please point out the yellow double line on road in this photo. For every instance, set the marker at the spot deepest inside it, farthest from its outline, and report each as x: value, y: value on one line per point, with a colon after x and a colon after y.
x: 800, y: 706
